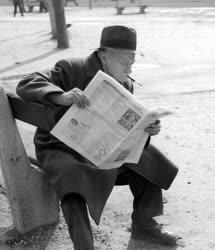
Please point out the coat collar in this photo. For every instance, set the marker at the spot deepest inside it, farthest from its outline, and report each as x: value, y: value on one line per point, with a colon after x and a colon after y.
x: 93, y: 65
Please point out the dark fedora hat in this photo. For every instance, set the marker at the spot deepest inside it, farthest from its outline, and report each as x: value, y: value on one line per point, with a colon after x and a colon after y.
x: 119, y: 37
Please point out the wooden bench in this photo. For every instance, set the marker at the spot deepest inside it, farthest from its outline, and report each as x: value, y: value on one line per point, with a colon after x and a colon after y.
x: 33, y: 202
x: 122, y: 4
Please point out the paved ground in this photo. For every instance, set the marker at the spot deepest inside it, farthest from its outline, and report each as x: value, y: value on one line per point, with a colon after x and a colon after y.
x: 178, y: 71
x: 174, y: 40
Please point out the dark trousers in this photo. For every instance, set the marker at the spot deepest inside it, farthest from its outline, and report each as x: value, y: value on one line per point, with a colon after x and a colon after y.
x: 147, y: 204
x: 76, y: 216
x: 43, y: 7
x: 20, y: 5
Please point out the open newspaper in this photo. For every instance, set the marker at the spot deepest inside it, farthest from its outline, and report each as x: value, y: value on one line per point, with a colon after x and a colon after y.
x: 110, y: 131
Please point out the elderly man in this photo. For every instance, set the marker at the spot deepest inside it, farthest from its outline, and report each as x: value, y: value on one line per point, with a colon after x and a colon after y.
x: 78, y: 184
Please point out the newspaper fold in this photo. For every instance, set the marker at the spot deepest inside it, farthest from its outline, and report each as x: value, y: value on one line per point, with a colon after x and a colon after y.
x: 110, y: 131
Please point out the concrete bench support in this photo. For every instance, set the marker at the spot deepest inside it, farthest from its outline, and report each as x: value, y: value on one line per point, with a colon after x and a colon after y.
x: 122, y: 4
x: 32, y: 200
x: 119, y: 10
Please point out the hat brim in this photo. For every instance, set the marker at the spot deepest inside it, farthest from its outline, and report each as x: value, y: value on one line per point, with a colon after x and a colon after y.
x: 122, y: 50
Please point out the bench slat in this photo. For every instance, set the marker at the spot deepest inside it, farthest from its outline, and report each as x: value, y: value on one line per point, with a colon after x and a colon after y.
x: 34, y: 161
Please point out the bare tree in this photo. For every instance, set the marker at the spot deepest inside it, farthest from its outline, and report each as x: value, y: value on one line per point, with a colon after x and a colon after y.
x: 58, y: 23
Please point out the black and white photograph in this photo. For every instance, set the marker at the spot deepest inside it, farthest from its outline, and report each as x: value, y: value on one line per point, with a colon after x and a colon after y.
x: 154, y: 187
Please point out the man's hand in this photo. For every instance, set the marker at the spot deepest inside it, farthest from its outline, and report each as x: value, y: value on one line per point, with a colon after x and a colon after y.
x: 74, y: 96
x: 154, y: 128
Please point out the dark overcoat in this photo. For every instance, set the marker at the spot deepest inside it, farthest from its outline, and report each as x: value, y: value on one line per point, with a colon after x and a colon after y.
x: 66, y: 169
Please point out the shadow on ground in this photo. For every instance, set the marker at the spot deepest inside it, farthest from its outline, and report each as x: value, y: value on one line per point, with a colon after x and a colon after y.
x: 24, y: 35
x: 36, y: 58
x: 38, y: 238
x: 139, y: 244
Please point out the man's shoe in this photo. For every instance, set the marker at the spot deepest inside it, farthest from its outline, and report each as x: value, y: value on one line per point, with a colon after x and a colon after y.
x: 153, y: 233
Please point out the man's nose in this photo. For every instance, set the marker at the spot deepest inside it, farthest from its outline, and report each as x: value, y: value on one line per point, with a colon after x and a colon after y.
x: 128, y: 69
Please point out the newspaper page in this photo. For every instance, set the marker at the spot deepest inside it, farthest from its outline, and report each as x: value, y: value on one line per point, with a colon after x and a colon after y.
x: 110, y: 131
x: 131, y: 148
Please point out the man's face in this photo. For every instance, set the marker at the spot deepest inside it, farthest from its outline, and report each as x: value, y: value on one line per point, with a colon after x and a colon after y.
x: 118, y: 63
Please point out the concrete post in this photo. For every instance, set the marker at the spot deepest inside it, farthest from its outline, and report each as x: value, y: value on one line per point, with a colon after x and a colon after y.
x: 32, y: 200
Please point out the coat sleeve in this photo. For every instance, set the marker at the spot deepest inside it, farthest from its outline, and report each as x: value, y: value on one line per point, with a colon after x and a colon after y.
x: 36, y: 87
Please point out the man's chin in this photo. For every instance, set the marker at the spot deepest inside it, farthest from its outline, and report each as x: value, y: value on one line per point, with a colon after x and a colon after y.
x: 122, y: 79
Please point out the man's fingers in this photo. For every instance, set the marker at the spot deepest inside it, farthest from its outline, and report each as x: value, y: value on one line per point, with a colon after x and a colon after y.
x: 86, y: 101
x: 153, y: 129
x: 76, y: 99
x: 80, y: 99
x: 156, y: 123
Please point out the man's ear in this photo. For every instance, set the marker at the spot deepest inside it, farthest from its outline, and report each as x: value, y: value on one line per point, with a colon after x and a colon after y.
x: 103, y: 58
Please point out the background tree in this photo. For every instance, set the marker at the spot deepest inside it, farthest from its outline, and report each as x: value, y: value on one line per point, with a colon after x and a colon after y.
x: 58, y: 23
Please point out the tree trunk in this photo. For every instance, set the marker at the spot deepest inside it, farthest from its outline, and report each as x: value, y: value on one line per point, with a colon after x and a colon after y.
x: 62, y: 36
x: 52, y: 19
